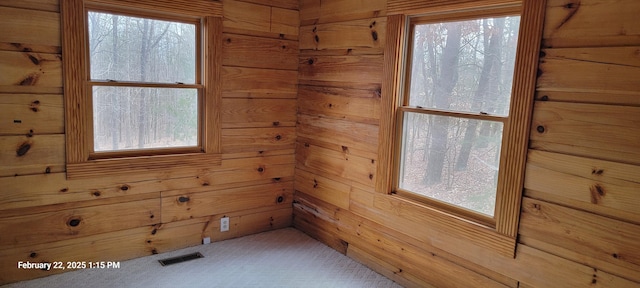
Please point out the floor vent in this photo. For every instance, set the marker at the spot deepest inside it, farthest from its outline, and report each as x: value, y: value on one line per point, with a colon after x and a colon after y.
x: 180, y: 259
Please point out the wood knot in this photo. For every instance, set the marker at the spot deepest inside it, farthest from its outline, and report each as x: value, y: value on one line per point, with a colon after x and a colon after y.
x: 183, y: 199
x: 276, y: 179
x: 306, y: 144
x: 260, y: 169
x: 280, y: 199
x: 23, y: 149
x: 154, y: 231
x: 543, y: 54
x: 315, y: 183
x: 30, y: 80
x: 276, y: 123
x: 615, y: 255
x: 63, y: 190
x: 597, y: 192
x: 124, y: 187
x: 316, y: 38
x: 544, y: 98
x: 47, y: 170
x: 371, y: 176
x: 35, y: 106
x: 154, y: 251
x: 278, y: 137
x: 33, y: 255
x: 595, y: 171
x: 228, y: 40
x: 96, y: 193
x: 345, y: 149
x: 74, y: 222
x: 540, y: 129
x: 34, y: 60
x: 374, y: 35
x: 205, y: 183
x: 310, y: 61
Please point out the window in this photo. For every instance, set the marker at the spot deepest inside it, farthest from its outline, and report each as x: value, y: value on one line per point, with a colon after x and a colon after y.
x: 455, y: 103
x: 141, y: 85
x: 460, y: 81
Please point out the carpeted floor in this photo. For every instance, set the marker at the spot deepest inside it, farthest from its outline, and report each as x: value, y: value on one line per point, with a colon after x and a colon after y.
x: 281, y: 258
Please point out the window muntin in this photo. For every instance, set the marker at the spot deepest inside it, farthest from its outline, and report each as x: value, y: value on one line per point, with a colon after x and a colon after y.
x: 456, y: 101
x: 144, y: 84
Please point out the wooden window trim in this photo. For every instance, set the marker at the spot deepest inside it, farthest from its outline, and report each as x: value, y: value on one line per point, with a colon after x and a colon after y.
x: 77, y: 121
x: 501, y: 235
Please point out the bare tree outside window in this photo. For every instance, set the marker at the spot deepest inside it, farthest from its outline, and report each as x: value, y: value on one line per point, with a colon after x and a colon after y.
x: 458, y: 70
x: 137, y: 69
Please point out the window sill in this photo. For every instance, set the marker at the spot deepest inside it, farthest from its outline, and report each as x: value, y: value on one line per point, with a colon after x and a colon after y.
x: 143, y: 164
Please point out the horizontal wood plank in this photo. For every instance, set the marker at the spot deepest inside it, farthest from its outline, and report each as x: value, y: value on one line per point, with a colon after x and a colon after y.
x: 348, y: 135
x: 571, y: 23
x: 593, y: 236
x: 326, y: 189
x: 601, y: 70
x: 284, y: 21
x: 319, y: 11
x: 31, y: 114
x: 112, y: 246
x: 288, y: 4
x: 259, y: 52
x: 319, y: 160
x: 19, y: 26
x: 602, y: 187
x: 30, y: 69
x: 195, y: 205
x: 258, y: 139
x: 245, y: 113
x: 626, y: 98
x: 44, y: 5
x: 31, y: 154
x: 362, y: 106
x: 258, y: 83
x: 597, y: 131
x: 351, y: 69
x: 246, y: 16
x: 367, y: 33
x: 21, y: 231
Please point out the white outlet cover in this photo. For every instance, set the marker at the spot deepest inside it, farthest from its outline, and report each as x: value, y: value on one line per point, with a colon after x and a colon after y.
x: 206, y: 240
x: 224, y: 224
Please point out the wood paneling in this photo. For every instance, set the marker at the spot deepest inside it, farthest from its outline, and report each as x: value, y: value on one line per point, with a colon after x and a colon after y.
x: 348, y: 35
x: 244, y: 113
x: 31, y: 114
x: 259, y: 52
x: 599, y: 131
x: 195, y: 205
x: 18, y: 26
x: 119, y: 217
x: 257, y: 83
x: 321, y: 160
x: 592, y: 236
x: 352, y: 69
x: 601, y: 70
x: 591, y: 23
x: 31, y: 154
x: 30, y: 69
x: 326, y: 11
x: 72, y: 223
x: 44, y: 5
x: 603, y: 187
x: 356, y: 105
x: 346, y: 135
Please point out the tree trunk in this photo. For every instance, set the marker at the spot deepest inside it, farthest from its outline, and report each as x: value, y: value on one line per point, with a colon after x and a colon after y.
x: 488, y: 78
x: 443, y: 89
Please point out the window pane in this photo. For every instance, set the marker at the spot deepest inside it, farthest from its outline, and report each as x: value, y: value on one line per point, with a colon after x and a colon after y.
x: 125, y: 48
x: 464, y: 66
x: 451, y: 159
x: 126, y: 118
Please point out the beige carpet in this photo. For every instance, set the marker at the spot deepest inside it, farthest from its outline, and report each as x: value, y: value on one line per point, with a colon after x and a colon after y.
x: 281, y: 258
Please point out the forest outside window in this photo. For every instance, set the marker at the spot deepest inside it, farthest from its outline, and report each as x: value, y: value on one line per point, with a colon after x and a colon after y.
x: 145, y: 84
x: 141, y: 85
x: 455, y: 104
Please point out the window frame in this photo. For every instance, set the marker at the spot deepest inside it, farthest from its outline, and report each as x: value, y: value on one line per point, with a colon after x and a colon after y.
x: 81, y: 159
x: 404, y: 108
x: 498, y: 233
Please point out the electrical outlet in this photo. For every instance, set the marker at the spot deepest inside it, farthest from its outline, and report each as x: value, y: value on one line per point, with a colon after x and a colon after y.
x: 206, y: 240
x: 224, y: 224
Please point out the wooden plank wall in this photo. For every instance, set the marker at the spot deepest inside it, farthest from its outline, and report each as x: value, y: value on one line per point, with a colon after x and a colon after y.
x: 580, y: 222
x: 44, y: 217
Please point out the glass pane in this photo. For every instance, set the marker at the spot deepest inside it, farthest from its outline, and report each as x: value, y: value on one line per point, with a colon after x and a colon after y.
x: 125, y: 48
x: 126, y: 118
x: 464, y: 66
x: 451, y: 159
